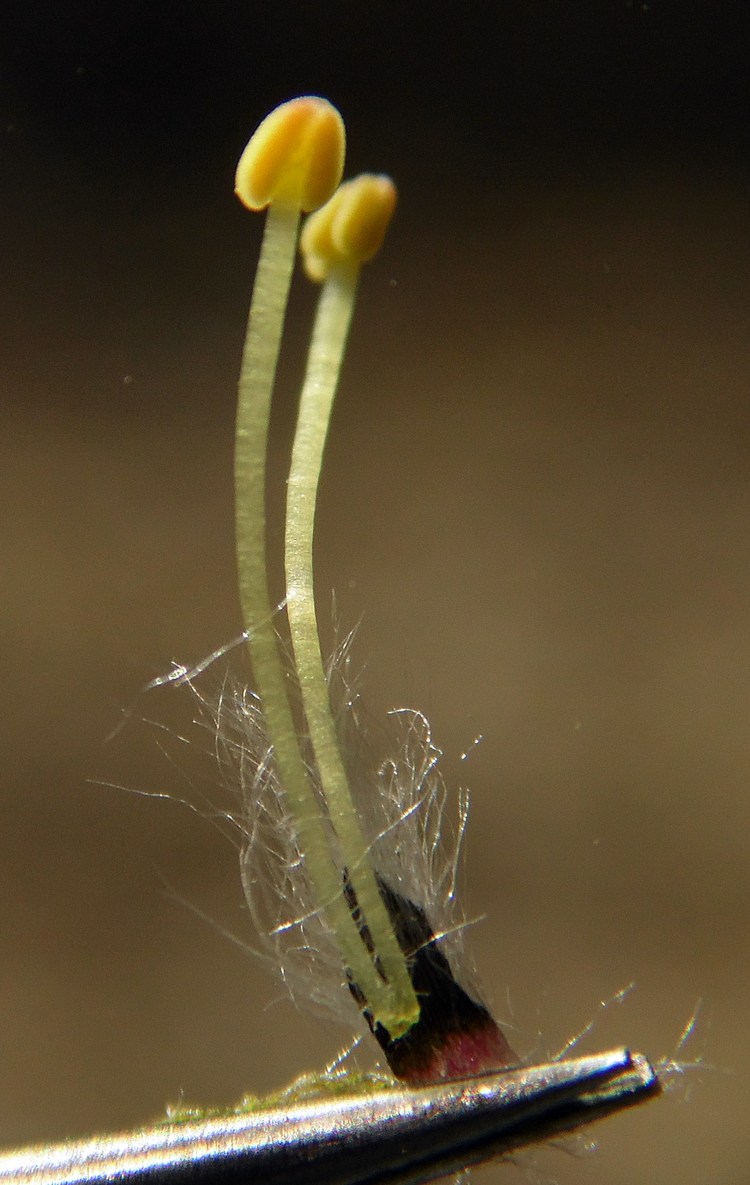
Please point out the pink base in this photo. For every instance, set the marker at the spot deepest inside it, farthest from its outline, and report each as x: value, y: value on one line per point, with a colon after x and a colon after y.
x: 465, y: 1053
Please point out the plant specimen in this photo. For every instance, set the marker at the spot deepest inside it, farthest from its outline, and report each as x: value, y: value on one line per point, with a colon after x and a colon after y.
x: 355, y: 860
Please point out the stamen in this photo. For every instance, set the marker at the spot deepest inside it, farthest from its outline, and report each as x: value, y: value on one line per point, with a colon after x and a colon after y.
x: 347, y: 231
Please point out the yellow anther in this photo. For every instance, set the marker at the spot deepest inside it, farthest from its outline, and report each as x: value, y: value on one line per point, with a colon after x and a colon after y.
x: 349, y: 228
x: 296, y: 156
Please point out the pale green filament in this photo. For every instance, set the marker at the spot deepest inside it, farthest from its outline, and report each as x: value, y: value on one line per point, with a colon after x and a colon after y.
x: 257, y: 374
x: 395, y: 1003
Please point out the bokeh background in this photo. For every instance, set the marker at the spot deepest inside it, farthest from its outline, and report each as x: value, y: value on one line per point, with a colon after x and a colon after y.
x: 537, y: 498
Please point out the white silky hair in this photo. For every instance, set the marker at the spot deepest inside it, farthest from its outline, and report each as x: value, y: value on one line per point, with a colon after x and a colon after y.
x: 413, y: 823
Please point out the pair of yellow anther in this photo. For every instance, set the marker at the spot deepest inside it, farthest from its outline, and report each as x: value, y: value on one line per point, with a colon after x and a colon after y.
x: 293, y: 163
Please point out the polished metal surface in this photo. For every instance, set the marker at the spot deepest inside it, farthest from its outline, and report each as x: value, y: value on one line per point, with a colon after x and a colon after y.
x: 398, y: 1135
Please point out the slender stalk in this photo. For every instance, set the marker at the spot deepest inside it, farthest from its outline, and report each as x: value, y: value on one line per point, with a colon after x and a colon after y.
x: 395, y: 1004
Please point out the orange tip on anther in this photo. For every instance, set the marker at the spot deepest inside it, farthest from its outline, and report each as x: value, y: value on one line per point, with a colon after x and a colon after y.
x: 349, y: 228
x: 296, y: 156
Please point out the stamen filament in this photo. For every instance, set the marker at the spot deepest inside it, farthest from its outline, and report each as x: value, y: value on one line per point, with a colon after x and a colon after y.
x: 395, y: 1004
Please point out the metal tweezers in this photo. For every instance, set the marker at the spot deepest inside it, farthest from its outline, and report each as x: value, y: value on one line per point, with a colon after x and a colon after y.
x: 399, y: 1136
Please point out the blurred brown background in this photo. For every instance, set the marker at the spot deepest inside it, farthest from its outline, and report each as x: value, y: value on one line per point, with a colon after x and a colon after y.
x: 537, y: 493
